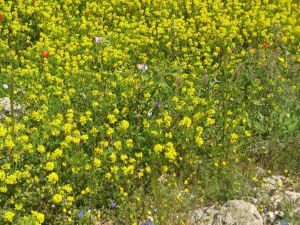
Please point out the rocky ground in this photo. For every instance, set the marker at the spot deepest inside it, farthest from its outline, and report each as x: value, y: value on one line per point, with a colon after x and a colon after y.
x: 275, y: 202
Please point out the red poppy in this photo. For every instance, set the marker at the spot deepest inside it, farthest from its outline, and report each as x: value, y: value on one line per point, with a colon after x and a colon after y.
x: 1, y: 16
x: 45, y: 54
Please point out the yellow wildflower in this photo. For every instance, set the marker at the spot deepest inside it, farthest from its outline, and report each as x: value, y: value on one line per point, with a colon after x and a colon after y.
x: 8, y: 216
x: 57, y: 198
x: 53, y: 177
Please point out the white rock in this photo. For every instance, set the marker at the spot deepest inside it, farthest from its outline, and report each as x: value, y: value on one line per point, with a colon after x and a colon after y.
x: 5, y: 103
x: 203, y: 216
x: 293, y: 198
x: 5, y: 107
x: 238, y: 212
x: 235, y: 212
x: 274, y: 183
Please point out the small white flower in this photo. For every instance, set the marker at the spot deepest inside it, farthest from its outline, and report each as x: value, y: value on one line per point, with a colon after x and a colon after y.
x: 150, y: 218
x: 149, y: 113
x: 192, y: 197
x: 271, y: 216
x: 5, y: 86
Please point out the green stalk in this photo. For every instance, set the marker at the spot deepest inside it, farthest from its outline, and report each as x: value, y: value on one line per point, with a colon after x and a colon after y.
x: 156, y: 191
x: 92, y: 181
x: 12, y: 110
x: 224, y: 90
x: 224, y: 106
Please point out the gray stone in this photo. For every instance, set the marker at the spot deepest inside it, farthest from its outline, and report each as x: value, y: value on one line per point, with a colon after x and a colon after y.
x: 274, y: 183
x: 293, y: 199
x: 238, y: 212
x: 5, y: 107
x: 203, y: 216
x: 234, y: 212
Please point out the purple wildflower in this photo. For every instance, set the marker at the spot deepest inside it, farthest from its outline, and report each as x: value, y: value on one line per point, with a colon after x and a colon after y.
x: 99, y: 40
x: 113, y: 205
x: 157, y: 104
x: 142, y: 67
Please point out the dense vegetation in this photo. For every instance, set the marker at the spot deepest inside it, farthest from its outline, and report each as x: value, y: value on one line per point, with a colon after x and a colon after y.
x: 136, y: 108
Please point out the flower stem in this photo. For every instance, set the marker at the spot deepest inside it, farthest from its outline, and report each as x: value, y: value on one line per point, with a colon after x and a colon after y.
x: 156, y: 191
x: 12, y: 111
x: 92, y: 181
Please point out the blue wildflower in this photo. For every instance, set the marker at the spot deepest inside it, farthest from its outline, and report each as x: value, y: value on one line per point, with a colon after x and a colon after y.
x: 113, y: 205
x: 81, y: 214
x: 146, y: 223
x: 284, y: 223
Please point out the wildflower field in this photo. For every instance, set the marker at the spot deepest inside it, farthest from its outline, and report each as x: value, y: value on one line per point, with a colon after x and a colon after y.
x: 133, y: 109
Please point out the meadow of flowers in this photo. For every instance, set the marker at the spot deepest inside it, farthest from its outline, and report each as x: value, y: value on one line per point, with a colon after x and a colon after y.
x: 132, y: 107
